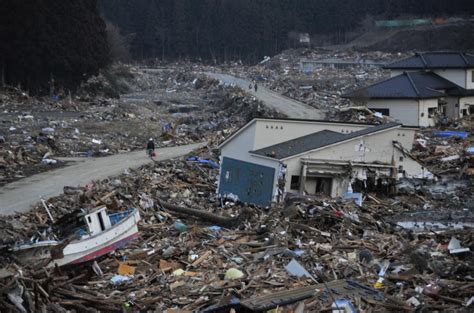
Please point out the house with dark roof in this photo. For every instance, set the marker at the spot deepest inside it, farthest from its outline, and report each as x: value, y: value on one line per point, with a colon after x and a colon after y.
x: 269, y: 157
x: 423, y: 88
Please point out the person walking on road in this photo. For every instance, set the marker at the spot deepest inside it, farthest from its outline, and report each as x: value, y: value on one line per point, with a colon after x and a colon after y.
x: 150, y: 148
x: 256, y: 87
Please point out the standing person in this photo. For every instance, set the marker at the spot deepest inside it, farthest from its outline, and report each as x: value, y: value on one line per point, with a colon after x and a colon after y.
x: 250, y: 86
x: 256, y: 87
x: 150, y: 148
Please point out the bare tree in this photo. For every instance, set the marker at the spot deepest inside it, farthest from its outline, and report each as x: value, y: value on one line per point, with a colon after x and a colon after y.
x: 118, y: 44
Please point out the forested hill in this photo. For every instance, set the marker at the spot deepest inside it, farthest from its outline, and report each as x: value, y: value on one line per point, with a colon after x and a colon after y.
x: 250, y: 29
x: 50, y: 40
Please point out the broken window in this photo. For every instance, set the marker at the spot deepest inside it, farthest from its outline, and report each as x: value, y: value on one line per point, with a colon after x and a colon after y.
x: 323, y: 185
x: 431, y: 112
x: 385, y: 112
x: 295, y: 182
x: 472, y: 76
x: 101, y: 221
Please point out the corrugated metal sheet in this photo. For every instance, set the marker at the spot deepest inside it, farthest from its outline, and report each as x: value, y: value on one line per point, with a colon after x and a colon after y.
x: 253, y: 183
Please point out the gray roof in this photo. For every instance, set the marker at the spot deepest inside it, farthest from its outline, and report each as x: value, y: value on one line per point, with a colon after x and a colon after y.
x: 314, y: 141
x: 411, y: 85
x: 434, y: 60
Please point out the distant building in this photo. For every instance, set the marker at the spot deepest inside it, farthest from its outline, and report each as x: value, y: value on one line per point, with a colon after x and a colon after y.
x: 423, y: 87
x: 268, y: 157
x: 304, y: 39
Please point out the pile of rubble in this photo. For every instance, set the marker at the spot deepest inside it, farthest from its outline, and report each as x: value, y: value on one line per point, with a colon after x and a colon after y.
x: 318, y: 77
x: 447, y: 152
x: 168, y: 105
x: 198, y: 252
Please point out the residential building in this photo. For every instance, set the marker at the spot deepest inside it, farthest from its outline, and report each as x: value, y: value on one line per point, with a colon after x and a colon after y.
x: 423, y: 88
x: 268, y: 157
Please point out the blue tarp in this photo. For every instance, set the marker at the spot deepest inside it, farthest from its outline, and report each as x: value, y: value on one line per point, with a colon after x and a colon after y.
x: 203, y: 161
x: 354, y: 195
x: 451, y: 133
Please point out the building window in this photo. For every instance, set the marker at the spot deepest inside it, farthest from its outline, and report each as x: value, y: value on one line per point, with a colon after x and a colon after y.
x: 295, y: 182
x: 385, y: 112
x: 400, y: 169
x: 472, y: 76
x: 401, y: 159
x: 422, y: 114
x: 431, y: 112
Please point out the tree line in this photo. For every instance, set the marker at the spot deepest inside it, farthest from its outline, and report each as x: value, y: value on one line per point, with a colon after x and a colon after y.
x: 50, y: 44
x: 224, y: 30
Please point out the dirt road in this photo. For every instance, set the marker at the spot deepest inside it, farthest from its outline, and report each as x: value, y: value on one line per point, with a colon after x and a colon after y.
x: 20, y: 195
x: 285, y: 105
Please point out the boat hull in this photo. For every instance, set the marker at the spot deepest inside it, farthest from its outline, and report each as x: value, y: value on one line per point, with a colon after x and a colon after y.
x: 118, y: 236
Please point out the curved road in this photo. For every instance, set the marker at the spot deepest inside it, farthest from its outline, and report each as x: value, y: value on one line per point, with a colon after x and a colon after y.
x: 20, y: 195
x: 282, y: 104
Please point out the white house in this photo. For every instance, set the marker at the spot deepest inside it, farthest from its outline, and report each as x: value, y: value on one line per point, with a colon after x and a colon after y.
x: 423, y: 86
x: 270, y: 155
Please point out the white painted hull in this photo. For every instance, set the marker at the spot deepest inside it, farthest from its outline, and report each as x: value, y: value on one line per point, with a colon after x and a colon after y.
x: 87, y: 248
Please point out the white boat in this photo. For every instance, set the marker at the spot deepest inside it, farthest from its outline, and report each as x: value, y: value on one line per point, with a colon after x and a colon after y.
x: 97, y: 233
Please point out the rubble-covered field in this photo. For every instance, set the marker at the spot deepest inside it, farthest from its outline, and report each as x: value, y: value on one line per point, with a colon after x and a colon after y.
x: 228, y: 252
x: 408, y: 251
x: 321, y: 83
x: 168, y: 105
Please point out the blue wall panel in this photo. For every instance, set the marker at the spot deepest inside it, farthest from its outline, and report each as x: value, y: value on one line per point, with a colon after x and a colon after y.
x: 253, y: 183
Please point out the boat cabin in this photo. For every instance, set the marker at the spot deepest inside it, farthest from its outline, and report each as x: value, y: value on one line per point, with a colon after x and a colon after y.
x: 97, y: 221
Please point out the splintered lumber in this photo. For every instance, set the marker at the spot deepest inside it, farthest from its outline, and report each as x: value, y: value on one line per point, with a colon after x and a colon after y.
x: 206, y: 216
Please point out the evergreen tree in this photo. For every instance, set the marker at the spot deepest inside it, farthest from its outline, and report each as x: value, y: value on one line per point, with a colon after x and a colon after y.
x: 45, y: 40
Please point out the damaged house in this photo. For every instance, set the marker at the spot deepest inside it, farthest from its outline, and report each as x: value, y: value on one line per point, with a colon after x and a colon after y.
x: 423, y: 88
x: 268, y: 157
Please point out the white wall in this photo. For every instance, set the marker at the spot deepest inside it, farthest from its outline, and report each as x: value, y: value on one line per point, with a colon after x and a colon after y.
x: 460, y: 77
x: 241, y: 144
x: 371, y: 148
x: 469, y: 77
x: 403, y: 110
x: 258, y: 135
x: 457, y: 76
x: 464, y: 103
x: 424, y: 105
x: 270, y: 132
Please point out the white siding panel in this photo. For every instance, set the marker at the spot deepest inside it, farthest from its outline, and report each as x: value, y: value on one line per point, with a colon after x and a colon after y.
x: 273, y: 132
x: 464, y: 104
x: 469, y: 79
x: 425, y: 105
x: 240, y: 145
x: 457, y: 76
x: 403, y: 110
